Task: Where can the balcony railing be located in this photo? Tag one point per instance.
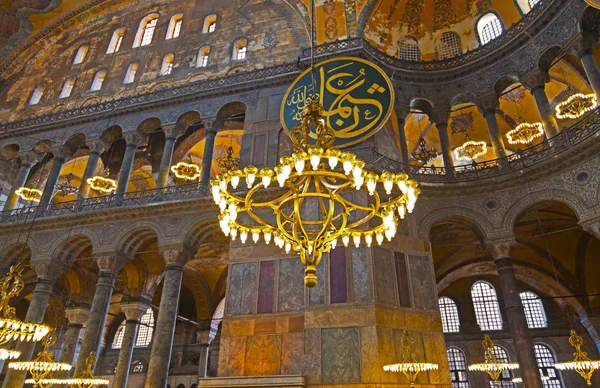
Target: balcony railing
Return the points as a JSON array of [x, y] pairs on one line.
[[544, 151]]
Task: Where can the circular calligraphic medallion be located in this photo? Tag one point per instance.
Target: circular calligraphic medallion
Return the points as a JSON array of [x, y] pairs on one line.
[[358, 98]]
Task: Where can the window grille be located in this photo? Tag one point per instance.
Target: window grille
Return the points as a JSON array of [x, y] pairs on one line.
[[67, 88], [146, 329], [409, 50], [241, 53], [130, 75], [115, 41], [449, 46], [177, 29], [138, 367], [545, 361], [534, 310], [149, 28], [80, 55], [489, 28], [212, 26], [203, 56], [487, 309], [458, 368], [449, 313], [505, 379], [167, 65], [98, 81], [118, 340], [533, 3]]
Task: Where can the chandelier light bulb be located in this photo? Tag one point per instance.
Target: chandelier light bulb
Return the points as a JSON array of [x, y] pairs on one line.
[[233, 233], [232, 211], [347, 163], [333, 243], [410, 206], [235, 181], [216, 193], [222, 204], [286, 164], [346, 239], [402, 186], [267, 236], [288, 247], [356, 239], [379, 238], [333, 162], [388, 183], [358, 182], [266, 181], [255, 236], [267, 175], [243, 236], [299, 165], [369, 239], [250, 178]]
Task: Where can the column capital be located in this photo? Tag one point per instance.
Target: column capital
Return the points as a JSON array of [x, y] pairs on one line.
[[440, 115], [29, 157], [584, 44], [49, 269], [62, 152], [211, 125], [77, 315], [134, 138], [176, 255], [97, 145], [172, 131], [488, 103], [500, 248], [111, 262], [591, 226], [535, 79], [134, 310]]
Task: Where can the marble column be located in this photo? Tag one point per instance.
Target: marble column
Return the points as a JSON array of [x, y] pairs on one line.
[[96, 147], [488, 106], [500, 250], [59, 159], [441, 117], [536, 83], [133, 140], [404, 154], [92, 336], [204, 340], [48, 271], [211, 132], [585, 54], [133, 312], [172, 132], [28, 160], [77, 317], [162, 346]]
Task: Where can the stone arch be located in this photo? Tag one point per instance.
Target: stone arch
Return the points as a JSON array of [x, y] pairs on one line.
[[75, 141], [72, 248], [230, 109], [422, 104], [478, 221], [137, 238], [303, 13], [201, 292], [216, 319], [204, 232], [149, 124], [188, 118], [9, 151], [13, 253], [504, 82], [516, 210], [462, 98], [549, 56], [589, 20], [112, 133]]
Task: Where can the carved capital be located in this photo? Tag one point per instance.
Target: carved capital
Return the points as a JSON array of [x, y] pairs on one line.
[[134, 310], [49, 268], [488, 104], [176, 255], [63, 152], [440, 115], [30, 158], [500, 248], [97, 145], [77, 315], [211, 125], [111, 263], [173, 131], [134, 138], [535, 79]]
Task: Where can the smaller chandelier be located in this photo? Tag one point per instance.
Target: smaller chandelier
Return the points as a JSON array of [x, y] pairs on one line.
[[470, 150], [576, 106], [424, 154], [228, 162], [186, 170], [10, 327], [43, 366], [67, 188], [7, 354], [28, 194], [492, 366], [102, 183], [581, 364], [409, 365], [525, 133], [87, 379]]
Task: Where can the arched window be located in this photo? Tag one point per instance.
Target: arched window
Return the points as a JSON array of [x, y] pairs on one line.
[[67, 88], [80, 55], [174, 27], [505, 379], [137, 367], [115, 41], [37, 94], [533, 3], [526, 5], [485, 303], [534, 310], [167, 64], [409, 49], [131, 71], [240, 49], [145, 331], [458, 368], [210, 24], [145, 32], [203, 56], [489, 27], [449, 313], [449, 46], [545, 361], [98, 81]]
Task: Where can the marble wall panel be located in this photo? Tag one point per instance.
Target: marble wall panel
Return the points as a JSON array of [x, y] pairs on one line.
[[241, 289], [263, 355], [388, 353], [362, 291], [369, 356], [338, 278], [292, 351], [312, 356], [383, 272], [232, 356], [340, 356], [316, 295], [435, 351], [424, 293], [291, 285], [266, 287]]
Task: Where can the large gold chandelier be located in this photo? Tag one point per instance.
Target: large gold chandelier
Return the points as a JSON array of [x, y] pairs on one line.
[[409, 365], [581, 364], [470, 150], [29, 194], [12, 328], [492, 366], [576, 106], [43, 366], [103, 183], [322, 203], [187, 170], [525, 133]]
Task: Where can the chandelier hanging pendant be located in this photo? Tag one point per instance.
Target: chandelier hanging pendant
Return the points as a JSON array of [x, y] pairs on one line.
[[470, 150], [322, 204], [581, 364], [409, 365], [12, 328], [576, 106], [67, 188], [103, 183], [29, 194], [43, 366], [525, 133], [228, 162], [424, 154], [186, 170], [492, 366]]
